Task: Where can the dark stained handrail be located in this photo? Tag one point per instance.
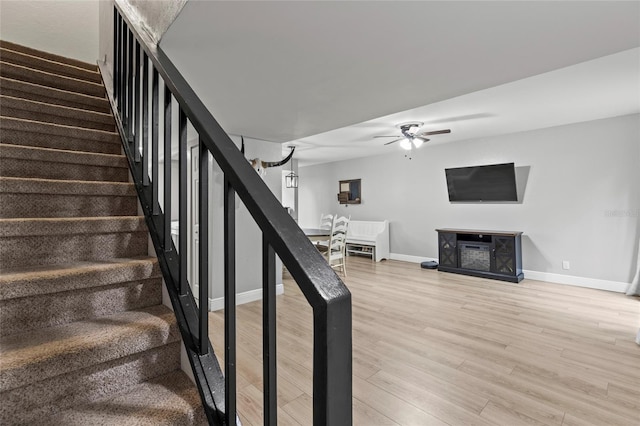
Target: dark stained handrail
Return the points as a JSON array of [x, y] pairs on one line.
[[325, 292]]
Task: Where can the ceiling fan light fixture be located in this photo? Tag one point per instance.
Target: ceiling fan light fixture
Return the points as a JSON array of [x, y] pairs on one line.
[[411, 127], [405, 144], [411, 136]]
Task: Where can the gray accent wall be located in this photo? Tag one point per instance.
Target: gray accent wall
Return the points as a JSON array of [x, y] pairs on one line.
[[155, 16], [579, 195], [248, 235]]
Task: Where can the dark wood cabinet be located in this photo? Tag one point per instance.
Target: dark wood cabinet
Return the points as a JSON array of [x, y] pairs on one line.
[[488, 254]]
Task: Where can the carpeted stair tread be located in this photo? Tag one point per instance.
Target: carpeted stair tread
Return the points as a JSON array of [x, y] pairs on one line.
[[48, 163], [48, 65], [48, 198], [48, 352], [46, 55], [50, 95], [50, 241], [44, 78], [17, 131], [49, 310], [32, 281], [46, 298], [28, 405], [25, 227], [167, 400], [71, 187], [56, 114]]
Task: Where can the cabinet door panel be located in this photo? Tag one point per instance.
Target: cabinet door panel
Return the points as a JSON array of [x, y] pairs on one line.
[[504, 255], [448, 250]]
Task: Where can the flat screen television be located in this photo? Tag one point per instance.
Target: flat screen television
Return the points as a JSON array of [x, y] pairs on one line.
[[495, 182]]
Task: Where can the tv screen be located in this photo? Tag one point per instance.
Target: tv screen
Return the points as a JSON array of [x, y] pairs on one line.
[[496, 182]]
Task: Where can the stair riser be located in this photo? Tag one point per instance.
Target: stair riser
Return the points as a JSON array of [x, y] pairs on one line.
[[25, 110], [15, 167], [28, 313], [41, 140], [34, 92], [52, 80], [77, 277], [28, 404], [49, 66], [99, 340], [56, 205], [167, 400], [19, 252], [17, 131]]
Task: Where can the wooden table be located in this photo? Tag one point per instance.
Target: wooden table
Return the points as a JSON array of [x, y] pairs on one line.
[[317, 234]]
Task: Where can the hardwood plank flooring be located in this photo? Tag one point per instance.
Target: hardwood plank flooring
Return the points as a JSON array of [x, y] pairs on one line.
[[432, 348]]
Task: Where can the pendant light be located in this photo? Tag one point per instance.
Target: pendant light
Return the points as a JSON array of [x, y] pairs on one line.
[[291, 179]]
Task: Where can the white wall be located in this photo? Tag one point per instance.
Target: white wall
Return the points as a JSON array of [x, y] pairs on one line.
[[105, 39], [581, 202], [68, 28]]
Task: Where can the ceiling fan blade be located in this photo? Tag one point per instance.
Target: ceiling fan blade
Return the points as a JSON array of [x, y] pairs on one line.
[[389, 143], [435, 132], [422, 138], [395, 136]]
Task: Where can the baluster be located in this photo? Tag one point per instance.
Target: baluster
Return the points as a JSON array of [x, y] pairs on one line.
[[116, 56], [203, 232], [167, 169], [122, 78], [145, 118], [137, 132], [182, 203], [269, 359], [155, 208], [130, 66], [229, 302]]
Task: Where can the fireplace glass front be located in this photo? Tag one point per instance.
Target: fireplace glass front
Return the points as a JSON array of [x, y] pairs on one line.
[[476, 256]]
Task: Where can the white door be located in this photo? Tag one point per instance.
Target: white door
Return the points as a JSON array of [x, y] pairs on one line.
[[195, 238]]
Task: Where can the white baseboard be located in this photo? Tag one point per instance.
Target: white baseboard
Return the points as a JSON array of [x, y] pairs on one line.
[[241, 298], [598, 284], [410, 258]]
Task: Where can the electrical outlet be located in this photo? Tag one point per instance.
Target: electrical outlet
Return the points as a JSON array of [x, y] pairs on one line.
[[566, 264]]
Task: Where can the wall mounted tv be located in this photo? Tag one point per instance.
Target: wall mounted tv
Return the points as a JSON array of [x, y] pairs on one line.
[[495, 182]]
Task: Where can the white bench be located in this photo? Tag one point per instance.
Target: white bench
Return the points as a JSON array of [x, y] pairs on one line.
[[370, 238]]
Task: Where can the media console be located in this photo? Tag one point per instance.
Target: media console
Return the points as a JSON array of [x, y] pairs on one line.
[[487, 254]]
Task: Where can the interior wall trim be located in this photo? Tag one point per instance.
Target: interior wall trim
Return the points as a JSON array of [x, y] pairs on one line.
[[217, 304], [410, 258], [598, 284], [617, 286]]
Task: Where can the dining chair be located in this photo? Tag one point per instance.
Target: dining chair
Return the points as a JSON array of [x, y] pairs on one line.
[[337, 252], [326, 222]]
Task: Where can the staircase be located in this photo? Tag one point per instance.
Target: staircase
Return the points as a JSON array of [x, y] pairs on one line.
[[84, 336]]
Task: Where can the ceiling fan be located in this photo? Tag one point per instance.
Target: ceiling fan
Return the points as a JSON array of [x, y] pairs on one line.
[[411, 137]]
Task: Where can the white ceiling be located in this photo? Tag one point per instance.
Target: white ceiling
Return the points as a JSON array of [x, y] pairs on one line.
[[331, 75]]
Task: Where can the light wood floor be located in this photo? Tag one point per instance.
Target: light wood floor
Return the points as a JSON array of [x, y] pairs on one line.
[[432, 348]]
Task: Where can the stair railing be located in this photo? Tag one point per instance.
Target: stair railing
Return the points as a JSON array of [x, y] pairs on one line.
[[140, 66]]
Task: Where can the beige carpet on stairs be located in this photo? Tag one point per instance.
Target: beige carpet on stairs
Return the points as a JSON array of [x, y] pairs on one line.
[[84, 336]]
